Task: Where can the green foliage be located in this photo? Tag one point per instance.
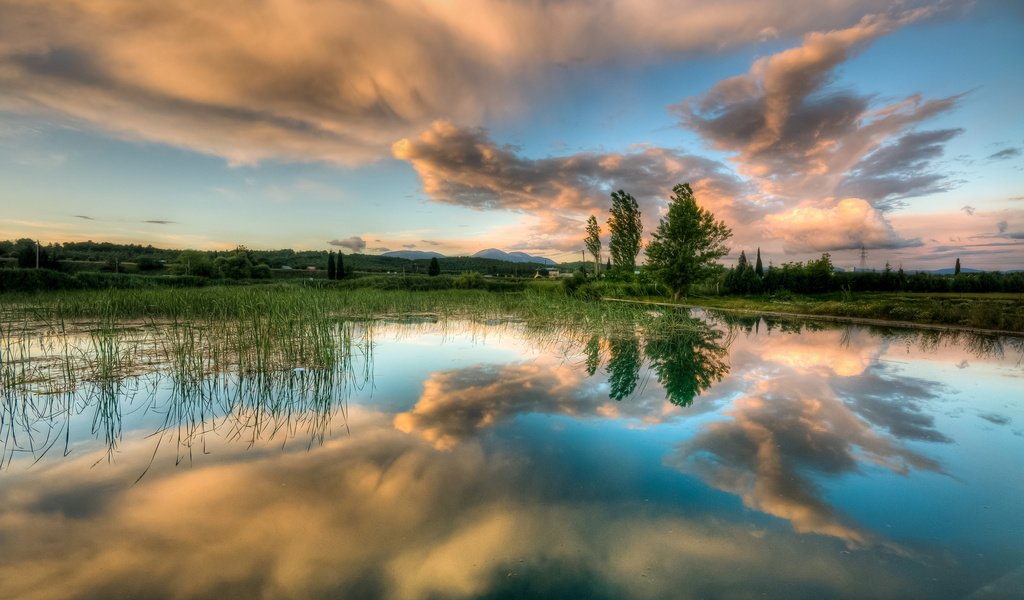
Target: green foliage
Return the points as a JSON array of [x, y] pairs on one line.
[[956, 268], [194, 263], [579, 286], [332, 269], [688, 362], [623, 366], [593, 241], [759, 268], [435, 268], [687, 243], [626, 230], [30, 255]]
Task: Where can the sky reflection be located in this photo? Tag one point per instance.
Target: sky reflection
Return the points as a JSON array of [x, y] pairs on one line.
[[542, 469]]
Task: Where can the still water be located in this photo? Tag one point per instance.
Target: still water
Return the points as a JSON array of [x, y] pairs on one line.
[[734, 459]]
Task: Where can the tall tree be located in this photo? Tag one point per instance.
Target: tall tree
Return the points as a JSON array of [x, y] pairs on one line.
[[687, 243], [332, 272], [758, 267], [956, 269], [626, 229], [435, 268], [593, 242], [742, 264], [339, 269]]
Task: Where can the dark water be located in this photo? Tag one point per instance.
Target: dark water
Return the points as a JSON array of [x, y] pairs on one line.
[[493, 461]]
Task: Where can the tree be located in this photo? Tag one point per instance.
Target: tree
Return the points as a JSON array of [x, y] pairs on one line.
[[339, 267], [687, 243], [332, 272], [435, 268], [758, 267], [593, 242], [956, 269], [626, 228], [195, 263]]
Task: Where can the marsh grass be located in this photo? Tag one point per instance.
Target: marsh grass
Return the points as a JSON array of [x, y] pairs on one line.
[[251, 363]]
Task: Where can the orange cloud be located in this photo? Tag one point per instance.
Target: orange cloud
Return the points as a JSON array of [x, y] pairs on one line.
[[850, 223], [337, 81], [466, 167]]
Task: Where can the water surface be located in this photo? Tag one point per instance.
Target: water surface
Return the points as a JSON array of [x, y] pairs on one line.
[[460, 460]]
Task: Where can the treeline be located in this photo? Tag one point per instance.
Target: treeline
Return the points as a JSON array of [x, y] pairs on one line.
[[239, 263], [819, 276]]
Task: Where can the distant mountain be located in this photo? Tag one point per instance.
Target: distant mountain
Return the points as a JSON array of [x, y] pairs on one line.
[[413, 254], [519, 257]]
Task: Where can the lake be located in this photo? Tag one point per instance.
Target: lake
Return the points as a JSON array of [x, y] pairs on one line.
[[729, 458]]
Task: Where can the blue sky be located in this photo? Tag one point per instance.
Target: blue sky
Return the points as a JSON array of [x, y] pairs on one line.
[[434, 126]]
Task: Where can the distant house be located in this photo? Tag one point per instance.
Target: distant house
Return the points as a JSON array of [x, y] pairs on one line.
[[286, 268], [311, 268]]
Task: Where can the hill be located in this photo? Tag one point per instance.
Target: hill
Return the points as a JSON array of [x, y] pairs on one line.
[[516, 257]]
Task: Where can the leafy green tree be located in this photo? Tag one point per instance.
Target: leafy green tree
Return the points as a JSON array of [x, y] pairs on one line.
[[332, 272], [30, 255], [435, 268], [235, 266], [758, 267], [687, 243], [261, 271], [593, 242], [195, 263], [626, 228]]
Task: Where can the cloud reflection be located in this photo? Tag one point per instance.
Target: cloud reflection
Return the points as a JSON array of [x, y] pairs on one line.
[[400, 520]]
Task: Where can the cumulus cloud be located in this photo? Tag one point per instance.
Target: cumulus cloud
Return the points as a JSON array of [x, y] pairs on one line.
[[339, 81], [354, 243], [464, 166], [800, 139], [852, 223]]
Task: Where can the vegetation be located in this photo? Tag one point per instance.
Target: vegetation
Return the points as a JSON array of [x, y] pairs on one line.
[[593, 242], [626, 230], [687, 243]]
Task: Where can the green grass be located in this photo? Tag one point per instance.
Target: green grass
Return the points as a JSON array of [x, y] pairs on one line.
[[1004, 312]]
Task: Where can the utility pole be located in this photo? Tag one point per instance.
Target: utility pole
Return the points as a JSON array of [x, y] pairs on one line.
[[37, 254]]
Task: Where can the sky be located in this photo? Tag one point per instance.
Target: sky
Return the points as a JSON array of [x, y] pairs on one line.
[[454, 126]]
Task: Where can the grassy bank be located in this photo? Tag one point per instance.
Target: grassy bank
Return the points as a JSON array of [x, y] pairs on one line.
[[1004, 312]]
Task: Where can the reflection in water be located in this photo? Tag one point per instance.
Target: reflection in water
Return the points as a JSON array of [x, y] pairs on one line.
[[688, 363], [192, 385], [623, 366], [506, 462]]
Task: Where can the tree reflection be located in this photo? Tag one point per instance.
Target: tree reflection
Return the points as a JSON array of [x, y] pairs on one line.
[[623, 366], [688, 361]]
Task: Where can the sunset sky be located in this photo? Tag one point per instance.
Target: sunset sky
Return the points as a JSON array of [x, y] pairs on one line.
[[456, 125]]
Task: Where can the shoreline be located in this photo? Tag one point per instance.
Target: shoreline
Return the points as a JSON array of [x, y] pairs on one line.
[[830, 318]]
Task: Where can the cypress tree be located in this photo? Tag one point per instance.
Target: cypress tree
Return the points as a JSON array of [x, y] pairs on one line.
[[956, 269], [330, 265], [742, 264], [435, 268], [339, 269], [758, 268]]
